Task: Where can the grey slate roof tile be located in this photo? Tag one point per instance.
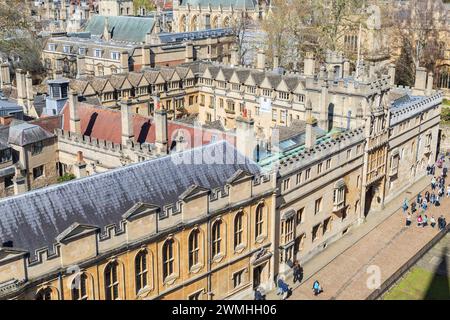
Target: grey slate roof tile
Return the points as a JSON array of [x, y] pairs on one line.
[[33, 220]]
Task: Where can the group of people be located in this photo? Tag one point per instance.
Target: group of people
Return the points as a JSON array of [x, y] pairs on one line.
[[283, 287], [433, 198]]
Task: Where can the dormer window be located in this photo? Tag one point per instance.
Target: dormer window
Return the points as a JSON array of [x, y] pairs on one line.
[[236, 87], [267, 92], [251, 89], [52, 47], [300, 98], [98, 53], [115, 55], [66, 49], [283, 95], [5, 155], [82, 51]]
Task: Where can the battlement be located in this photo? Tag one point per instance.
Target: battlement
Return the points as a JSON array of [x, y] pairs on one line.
[[103, 145], [321, 150], [412, 108]]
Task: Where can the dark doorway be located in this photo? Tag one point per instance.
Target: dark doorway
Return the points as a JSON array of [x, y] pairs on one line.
[[370, 194], [257, 276]]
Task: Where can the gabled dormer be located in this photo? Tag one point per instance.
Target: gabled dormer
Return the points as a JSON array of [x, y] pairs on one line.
[[240, 185], [194, 202], [12, 264], [78, 243], [142, 220]]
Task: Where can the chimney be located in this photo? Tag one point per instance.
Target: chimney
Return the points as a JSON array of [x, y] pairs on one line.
[[161, 141], [189, 52], [19, 181], [21, 88], [74, 121], [429, 84], [81, 66], [421, 78], [391, 72], [245, 137], [5, 76], [310, 137], [324, 107], [276, 61], [261, 60], [127, 121], [124, 61], [234, 59], [79, 168], [309, 64], [30, 95], [146, 56]]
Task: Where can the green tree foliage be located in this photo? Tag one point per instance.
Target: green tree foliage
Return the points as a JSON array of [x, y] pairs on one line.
[[149, 5], [405, 67], [66, 177], [18, 39]]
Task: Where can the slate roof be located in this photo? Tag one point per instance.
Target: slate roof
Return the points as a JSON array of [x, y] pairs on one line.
[[123, 28], [33, 220], [25, 133]]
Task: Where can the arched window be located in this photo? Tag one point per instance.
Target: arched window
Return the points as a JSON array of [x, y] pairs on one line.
[[215, 23], [194, 24], [238, 229], [79, 287], [226, 22], [141, 271], [259, 220], [216, 238], [193, 248], [168, 258], [111, 281], [44, 294]]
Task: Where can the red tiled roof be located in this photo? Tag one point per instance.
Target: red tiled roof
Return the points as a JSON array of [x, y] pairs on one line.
[[105, 124], [49, 123]]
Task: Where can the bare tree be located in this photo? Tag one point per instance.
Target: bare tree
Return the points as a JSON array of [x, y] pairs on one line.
[[295, 27], [241, 26], [18, 40], [419, 28]]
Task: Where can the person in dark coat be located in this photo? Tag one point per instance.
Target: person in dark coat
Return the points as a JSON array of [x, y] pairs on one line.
[[259, 295], [297, 270]]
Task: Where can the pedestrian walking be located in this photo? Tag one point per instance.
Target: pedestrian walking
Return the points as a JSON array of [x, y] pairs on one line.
[[419, 220], [425, 221], [317, 289], [283, 288], [433, 183], [297, 270], [424, 205], [259, 295], [408, 219], [441, 222], [405, 205], [432, 222]]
